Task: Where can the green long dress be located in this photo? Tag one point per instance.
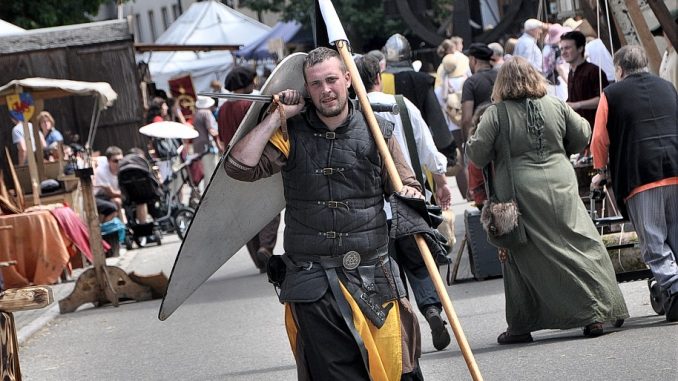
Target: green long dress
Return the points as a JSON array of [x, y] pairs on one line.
[[563, 277]]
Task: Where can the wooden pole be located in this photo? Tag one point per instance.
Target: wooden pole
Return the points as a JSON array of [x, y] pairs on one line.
[[103, 282], [664, 17], [397, 183], [643, 32]]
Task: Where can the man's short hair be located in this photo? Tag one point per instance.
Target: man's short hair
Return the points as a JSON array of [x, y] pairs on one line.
[[113, 151], [576, 36], [368, 67], [631, 59], [497, 49], [319, 55]]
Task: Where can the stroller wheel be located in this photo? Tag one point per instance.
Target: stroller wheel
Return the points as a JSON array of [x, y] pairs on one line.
[[657, 297], [182, 220], [157, 236]]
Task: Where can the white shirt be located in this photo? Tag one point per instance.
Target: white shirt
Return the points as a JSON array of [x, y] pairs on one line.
[[527, 48], [597, 54], [18, 133], [429, 157], [103, 175]]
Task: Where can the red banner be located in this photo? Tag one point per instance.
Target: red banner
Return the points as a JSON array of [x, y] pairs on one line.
[[182, 90]]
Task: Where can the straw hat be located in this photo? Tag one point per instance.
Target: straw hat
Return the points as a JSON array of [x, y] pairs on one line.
[[204, 102], [455, 64], [572, 23]]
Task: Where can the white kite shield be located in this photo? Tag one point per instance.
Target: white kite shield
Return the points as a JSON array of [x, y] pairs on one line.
[[168, 130], [230, 212]]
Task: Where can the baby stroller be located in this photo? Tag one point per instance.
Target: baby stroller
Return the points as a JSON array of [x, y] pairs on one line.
[[139, 185]]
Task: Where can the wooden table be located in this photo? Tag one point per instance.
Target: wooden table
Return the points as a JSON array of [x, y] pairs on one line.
[[35, 241]]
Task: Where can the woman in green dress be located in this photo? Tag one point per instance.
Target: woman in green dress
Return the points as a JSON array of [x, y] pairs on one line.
[[562, 277]]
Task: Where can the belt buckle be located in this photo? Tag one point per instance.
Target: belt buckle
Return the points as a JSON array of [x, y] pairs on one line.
[[351, 260]]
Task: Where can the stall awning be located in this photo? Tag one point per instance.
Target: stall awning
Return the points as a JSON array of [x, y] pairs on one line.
[[47, 88]]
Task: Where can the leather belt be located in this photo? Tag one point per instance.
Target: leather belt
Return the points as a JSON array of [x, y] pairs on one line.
[[349, 260]]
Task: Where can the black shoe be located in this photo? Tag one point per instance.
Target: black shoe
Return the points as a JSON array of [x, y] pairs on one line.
[[507, 338], [594, 330], [671, 307], [439, 334]]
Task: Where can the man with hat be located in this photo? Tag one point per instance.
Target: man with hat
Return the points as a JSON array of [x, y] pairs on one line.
[[240, 80], [527, 43], [476, 91]]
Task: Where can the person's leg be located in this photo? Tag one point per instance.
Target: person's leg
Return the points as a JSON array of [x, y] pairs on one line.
[[428, 301], [141, 212], [329, 349], [651, 214], [462, 181]]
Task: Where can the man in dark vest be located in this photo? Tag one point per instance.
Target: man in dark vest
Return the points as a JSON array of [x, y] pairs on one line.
[[346, 312], [401, 78], [636, 128]]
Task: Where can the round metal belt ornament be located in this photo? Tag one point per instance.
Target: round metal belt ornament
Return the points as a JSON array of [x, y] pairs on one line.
[[351, 260]]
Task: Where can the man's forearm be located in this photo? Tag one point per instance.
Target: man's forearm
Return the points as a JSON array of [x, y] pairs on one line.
[[589, 104], [248, 150]]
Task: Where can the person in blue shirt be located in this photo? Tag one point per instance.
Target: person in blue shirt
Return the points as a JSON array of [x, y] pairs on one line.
[[51, 134]]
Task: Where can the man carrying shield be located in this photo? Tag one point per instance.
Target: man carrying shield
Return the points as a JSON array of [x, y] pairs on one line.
[[345, 308]]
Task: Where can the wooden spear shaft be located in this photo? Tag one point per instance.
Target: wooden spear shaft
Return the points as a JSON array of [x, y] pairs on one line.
[[397, 183]]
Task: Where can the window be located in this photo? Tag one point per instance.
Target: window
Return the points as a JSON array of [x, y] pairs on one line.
[[175, 11], [165, 18], [137, 28], [151, 25]]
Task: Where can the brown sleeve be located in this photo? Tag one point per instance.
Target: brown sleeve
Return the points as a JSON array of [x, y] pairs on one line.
[[404, 170], [271, 161]]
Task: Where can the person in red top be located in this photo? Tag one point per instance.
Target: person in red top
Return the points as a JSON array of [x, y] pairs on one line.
[[240, 80], [635, 134]]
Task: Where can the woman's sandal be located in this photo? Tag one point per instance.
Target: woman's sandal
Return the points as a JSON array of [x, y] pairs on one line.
[[594, 330], [507, 338]]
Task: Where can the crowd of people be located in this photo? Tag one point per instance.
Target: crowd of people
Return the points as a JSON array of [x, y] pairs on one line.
[[523, 112]]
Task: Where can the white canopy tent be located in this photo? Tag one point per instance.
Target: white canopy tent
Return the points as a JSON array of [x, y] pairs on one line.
[[8, 29], [204, 23]]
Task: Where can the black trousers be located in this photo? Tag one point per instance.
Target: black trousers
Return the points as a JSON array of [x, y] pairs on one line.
[[326, 349]]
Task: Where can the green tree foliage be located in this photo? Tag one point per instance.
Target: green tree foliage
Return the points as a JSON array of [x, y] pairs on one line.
[[363, 20], [31, 14]]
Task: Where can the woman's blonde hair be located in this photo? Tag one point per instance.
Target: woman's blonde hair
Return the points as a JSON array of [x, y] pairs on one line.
[[45, 115], [518, 79]]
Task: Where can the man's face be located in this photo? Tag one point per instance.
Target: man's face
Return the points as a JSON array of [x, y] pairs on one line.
[[536, 32], [114, 164], [327, 84], [472, 64], [569, 51]]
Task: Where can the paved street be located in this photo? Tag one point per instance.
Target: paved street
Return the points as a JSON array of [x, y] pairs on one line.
[[232, 329]]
